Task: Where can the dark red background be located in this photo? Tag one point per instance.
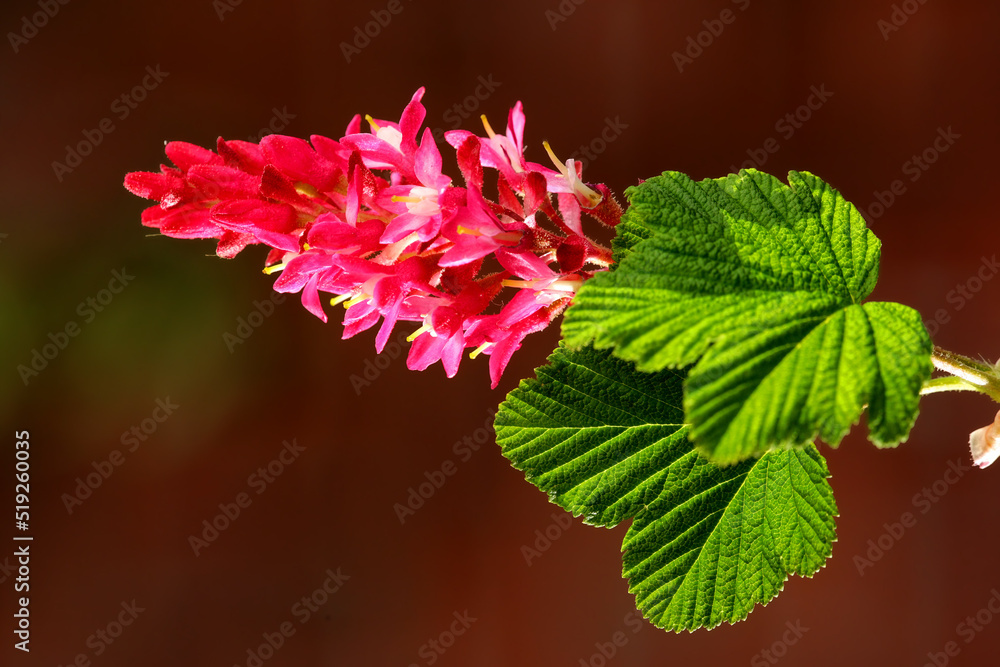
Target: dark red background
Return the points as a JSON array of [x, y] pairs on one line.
[[163, 335]]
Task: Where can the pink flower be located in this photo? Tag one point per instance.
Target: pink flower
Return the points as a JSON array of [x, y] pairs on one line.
[[505, 152], [418, 207], [475, 232], [393, 145], [370, 220], [499, 336]]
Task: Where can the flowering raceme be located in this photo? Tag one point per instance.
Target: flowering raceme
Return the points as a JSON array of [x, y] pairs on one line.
[[372, 220]]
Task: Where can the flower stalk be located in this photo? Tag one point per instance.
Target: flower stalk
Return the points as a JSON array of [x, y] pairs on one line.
[[966, 374]]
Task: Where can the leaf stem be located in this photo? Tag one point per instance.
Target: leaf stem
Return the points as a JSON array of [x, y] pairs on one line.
[[949, 383], [967, 375]]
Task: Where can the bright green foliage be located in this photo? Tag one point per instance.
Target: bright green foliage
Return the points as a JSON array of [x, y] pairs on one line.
[[707, 542], [760, 285]]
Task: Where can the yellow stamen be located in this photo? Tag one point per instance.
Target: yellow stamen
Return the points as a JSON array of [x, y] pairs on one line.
[[552, 156], [306, 189], [593, 197], [517, 283], [356, 300], [486, 124], [305, 246], [371, 121], [466, 230], [411, 200], [340, 299], [413, 336], [479, 350], [268, 270]]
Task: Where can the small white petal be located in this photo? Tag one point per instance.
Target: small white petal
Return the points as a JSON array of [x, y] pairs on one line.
[[984, 443], [391, 136]]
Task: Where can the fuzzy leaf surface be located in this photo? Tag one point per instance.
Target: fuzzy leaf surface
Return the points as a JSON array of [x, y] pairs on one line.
[[707, 543], [760, 285]]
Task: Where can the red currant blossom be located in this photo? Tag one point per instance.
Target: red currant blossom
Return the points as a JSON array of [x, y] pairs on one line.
[[371, 221]]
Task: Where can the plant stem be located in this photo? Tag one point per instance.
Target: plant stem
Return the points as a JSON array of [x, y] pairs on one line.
[[967, 375], [949, 383]]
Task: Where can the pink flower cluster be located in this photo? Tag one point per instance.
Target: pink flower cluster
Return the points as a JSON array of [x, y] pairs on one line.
[[371, 219]]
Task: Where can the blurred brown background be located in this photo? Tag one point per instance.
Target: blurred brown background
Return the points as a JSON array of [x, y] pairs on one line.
[[231, 69]]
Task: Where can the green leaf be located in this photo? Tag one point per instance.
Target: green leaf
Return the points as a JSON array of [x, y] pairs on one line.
[[707, 542], [760, 285]]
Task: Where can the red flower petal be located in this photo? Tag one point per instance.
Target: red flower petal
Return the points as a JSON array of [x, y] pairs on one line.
[[297, 160], [410, 122], [215, 182], [186, 155], [468, 162], [247, 215], [310, 298], [152, 185], [275, 185], [188, 222], [231, 243], [241, 155]]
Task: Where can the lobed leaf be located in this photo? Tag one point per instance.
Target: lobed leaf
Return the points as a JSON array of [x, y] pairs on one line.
[[707, 543], [758, 284]]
